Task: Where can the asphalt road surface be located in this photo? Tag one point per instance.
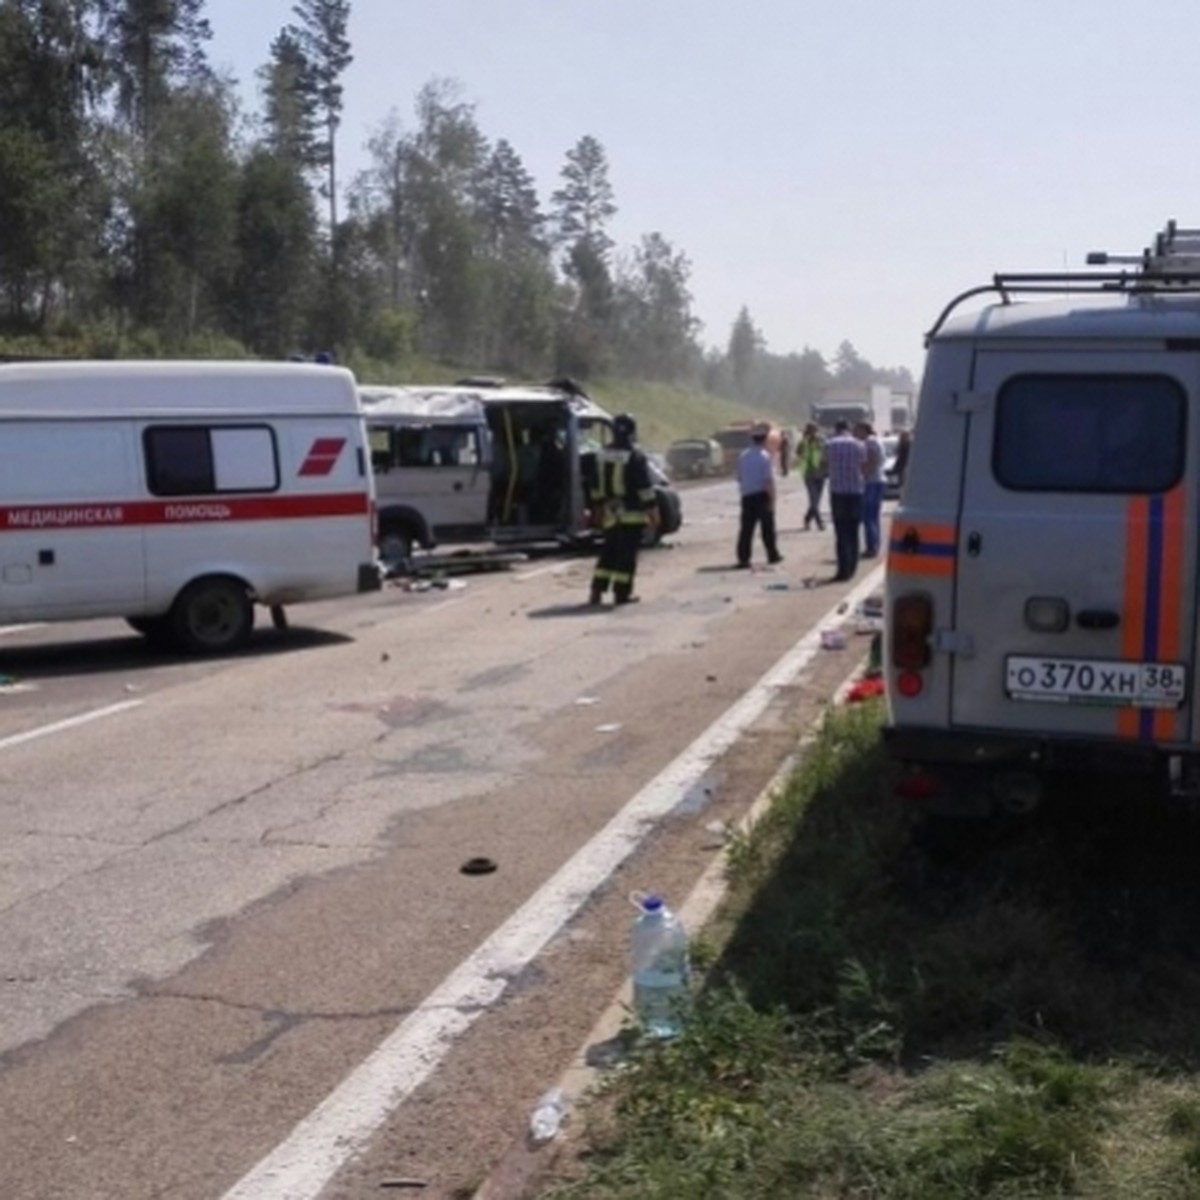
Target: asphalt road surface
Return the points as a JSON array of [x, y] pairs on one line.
[[239, 957]]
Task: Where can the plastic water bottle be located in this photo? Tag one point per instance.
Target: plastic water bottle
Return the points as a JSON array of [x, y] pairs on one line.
[[548, 1115], [661, 991]]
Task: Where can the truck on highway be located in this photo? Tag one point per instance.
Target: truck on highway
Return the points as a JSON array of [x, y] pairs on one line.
[[177, 495]]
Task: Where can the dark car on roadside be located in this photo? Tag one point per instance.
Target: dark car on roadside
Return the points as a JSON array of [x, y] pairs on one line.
[[670, 506]]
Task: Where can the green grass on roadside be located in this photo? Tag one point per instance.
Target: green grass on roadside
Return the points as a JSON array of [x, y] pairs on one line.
[[905, 1009], [665, 412]]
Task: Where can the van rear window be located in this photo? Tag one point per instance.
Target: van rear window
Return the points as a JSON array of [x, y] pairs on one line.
[[1090, 433]]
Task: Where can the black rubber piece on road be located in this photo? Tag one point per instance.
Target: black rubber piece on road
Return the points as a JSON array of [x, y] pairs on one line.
[[477, 866]]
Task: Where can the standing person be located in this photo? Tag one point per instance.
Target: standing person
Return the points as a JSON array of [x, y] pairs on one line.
[[903, 450], [756, 482], [622, 489], [810, 459], [847, 458], [785, 453], [872, 503]]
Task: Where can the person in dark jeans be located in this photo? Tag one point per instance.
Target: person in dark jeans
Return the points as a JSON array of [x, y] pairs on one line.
[[756, 482], [847, 458]]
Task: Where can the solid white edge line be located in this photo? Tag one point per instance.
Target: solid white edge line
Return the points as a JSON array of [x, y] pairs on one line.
[[335, 1131], [68, 723]]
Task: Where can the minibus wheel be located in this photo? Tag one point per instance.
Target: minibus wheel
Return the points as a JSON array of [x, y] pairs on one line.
[[212, 615], [396, 545]]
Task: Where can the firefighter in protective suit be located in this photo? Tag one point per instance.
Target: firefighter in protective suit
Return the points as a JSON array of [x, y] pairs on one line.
[[622, 492]]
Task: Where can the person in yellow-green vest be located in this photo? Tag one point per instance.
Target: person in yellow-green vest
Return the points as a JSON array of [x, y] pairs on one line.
[[811, 462], [622, 493]]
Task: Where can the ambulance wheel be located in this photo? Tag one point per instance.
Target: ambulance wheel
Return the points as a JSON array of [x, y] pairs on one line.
[[212, 616]]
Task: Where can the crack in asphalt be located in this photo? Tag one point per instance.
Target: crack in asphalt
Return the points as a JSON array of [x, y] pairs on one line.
[[129, 848]]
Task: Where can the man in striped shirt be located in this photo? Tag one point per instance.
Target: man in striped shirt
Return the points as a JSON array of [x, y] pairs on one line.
[[847, 459]]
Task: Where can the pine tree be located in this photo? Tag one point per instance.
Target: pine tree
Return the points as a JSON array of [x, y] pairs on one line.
[[320, 47], [745, 345], [584, 204]]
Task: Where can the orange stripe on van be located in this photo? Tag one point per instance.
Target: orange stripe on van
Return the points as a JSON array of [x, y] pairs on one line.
[[917, 564], [1137, 522], [926, 531], [1171, 602]]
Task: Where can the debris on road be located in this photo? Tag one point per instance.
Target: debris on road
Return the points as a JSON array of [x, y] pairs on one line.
[[477, 866], [719, 834], [547, 1118], [865, 689]]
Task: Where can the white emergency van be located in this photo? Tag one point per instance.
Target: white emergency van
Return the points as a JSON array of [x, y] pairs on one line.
[[1041, 594], [178, 494]]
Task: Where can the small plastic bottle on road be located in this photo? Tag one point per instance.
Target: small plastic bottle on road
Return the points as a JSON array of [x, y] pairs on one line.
[[661, 972], [548, 1115]]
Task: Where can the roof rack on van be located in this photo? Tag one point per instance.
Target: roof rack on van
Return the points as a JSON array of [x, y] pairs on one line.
[[1172, 264]]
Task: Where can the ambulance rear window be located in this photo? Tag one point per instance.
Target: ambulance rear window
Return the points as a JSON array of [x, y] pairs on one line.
[[204, 460], [1090, 433]]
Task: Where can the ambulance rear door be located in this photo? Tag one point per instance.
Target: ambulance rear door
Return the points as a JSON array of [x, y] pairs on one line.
[[1075, 595]]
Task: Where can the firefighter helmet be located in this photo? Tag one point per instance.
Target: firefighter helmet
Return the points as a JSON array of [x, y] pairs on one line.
[[624, 427]]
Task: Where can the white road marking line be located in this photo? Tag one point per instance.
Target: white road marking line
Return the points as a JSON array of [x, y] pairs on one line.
[[433, 608], [7, 629], [70, 723], [553, 569], [339, 1127]]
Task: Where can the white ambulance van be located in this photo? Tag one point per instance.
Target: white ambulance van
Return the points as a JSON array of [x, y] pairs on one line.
[[177, 495], [1041, 595]]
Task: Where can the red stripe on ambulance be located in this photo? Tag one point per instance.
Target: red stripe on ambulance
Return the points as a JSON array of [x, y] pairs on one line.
[[322, 455], [24, 518]]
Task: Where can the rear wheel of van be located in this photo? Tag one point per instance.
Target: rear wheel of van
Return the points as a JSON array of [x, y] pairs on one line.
[[212, 616]]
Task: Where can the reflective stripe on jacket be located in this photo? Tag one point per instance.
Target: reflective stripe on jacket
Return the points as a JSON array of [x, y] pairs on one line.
[[623, 489]]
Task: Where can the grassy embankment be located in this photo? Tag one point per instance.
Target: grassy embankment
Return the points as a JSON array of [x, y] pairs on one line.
[[901, 1009], [664, 412]]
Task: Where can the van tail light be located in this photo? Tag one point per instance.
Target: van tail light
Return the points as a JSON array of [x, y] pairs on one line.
[[912, 627], [917, 785], [374, 523]]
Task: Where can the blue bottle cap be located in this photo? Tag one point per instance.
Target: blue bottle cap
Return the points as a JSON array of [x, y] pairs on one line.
[[652, 904]]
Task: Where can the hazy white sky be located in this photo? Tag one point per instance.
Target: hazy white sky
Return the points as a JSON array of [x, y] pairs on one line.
[[840, 167]]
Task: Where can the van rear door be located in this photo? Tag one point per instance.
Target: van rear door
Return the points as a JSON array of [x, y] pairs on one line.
[[1075, 601]]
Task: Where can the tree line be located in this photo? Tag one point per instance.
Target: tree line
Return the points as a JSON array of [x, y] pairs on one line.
[[142, 211]]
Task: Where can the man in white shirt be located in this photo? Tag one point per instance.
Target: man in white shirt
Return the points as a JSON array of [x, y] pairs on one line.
[[756, 482], [872, 502]]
